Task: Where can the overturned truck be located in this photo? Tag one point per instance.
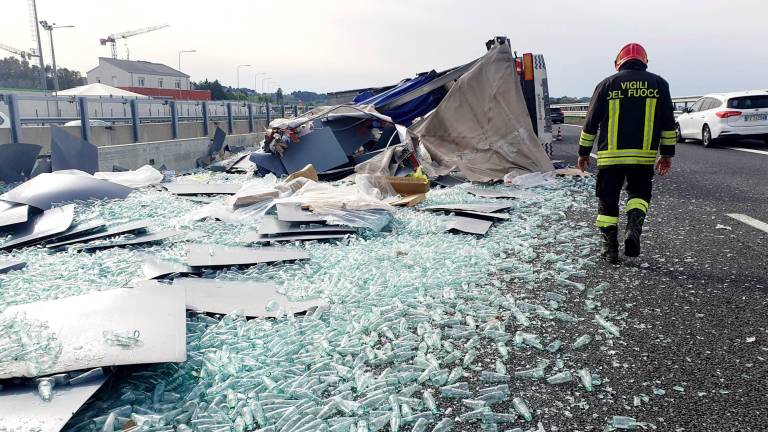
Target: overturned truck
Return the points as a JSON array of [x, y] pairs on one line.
[[481, 121]]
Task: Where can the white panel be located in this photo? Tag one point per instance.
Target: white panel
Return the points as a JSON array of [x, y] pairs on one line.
[[79, 322], [22, 409]]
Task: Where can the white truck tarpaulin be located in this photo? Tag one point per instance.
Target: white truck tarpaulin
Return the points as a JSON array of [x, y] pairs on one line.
[[482, 126]]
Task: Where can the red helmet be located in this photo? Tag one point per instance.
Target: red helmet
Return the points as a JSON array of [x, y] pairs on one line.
[[631, 51]]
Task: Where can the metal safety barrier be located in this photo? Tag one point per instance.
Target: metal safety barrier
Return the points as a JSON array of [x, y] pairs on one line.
[[135, 111], [580, 109]]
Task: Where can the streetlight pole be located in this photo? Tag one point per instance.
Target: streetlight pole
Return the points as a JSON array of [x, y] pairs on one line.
[[43, 83], [238, 73], [49, 28], [189, 86], [184, 51], [256, 81], [267, 79]]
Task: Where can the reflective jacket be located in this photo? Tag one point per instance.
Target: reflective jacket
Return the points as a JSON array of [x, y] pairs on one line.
[[633, 112]]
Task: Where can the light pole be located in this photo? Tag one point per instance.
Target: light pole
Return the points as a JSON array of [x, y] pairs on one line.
[[49, 28], [262, 82], [184, 51], [238, 73], [189, 84], [269, 86], [256, 81]]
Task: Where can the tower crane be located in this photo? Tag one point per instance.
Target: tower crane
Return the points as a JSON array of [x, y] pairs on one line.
[[113, 38], [23, 54]]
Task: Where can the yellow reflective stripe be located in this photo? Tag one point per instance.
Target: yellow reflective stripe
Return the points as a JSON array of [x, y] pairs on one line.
[[626, 152], [637, 203], [650, 115], [586, 140], [613, 123], [668, 141], [668, 134], [626, 161], [606, 221]]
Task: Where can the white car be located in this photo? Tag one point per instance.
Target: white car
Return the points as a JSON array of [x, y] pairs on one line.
[[721, 116]]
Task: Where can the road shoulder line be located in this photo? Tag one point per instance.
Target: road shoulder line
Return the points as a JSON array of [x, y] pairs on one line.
[[762, 152], [754, 223]]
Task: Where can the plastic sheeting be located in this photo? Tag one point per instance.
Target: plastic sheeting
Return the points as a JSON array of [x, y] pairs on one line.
[[404, 114], [141, 177], [482, 126]]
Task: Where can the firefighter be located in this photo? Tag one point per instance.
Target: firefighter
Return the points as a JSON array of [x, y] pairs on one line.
[[632, 111]]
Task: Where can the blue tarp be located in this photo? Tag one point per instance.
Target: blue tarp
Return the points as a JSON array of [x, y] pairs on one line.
[[405, 113]]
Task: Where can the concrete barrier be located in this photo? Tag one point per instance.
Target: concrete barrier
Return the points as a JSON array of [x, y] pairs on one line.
[[122, 134], [178, 155]]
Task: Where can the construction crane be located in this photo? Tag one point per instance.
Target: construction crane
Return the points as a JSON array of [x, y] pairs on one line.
[[113, 38], [23, 54]]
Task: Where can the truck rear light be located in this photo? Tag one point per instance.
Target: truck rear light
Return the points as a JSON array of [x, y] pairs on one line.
[[726, 114]]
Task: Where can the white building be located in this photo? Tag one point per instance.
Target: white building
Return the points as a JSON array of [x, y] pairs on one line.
[[132, 74]]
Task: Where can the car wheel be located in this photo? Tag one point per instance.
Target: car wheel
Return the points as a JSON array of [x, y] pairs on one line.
[[678, 134], [706, 137]]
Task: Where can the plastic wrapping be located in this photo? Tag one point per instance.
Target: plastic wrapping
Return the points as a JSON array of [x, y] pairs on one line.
[[324, 196], [375, 186], [249, 215], [141, 177], [528, 180]]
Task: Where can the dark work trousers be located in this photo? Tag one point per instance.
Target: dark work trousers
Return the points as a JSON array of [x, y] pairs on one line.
[[610, 180]]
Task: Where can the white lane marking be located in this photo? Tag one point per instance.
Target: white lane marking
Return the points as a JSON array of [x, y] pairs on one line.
[[573, 125], [763, 152], [754, 223]]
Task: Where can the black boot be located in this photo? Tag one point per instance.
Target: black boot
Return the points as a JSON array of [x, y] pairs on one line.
[[610, 245], [635, 219]]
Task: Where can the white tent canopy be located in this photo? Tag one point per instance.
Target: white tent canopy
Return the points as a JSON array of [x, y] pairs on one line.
[[98, 89]]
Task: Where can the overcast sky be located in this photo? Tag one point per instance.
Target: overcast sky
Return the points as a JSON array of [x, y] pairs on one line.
[[699, 46]]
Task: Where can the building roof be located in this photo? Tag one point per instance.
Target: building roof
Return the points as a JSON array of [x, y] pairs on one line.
[[143, 67]]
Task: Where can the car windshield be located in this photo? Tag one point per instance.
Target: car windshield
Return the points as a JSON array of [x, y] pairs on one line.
[[747, 102], [556, 110]]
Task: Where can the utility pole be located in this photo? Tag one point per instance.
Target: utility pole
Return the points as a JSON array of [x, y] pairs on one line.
[[36, 35], [49, 28]]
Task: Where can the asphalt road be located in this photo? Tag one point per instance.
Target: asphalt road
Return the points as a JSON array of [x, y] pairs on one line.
[[696, 299]]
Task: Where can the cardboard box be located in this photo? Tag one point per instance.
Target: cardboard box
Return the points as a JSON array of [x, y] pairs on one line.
[[408, 185]]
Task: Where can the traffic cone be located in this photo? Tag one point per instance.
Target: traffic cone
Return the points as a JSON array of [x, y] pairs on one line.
[[559, 136]]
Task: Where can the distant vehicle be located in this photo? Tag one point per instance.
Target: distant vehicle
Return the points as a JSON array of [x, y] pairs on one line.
[[5, 122], [101, 123], [720, 116], [557, 115]]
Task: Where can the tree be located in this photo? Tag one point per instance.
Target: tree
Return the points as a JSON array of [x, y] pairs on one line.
[[215, 87], [67, 78], [309, 97], [15, 73]]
